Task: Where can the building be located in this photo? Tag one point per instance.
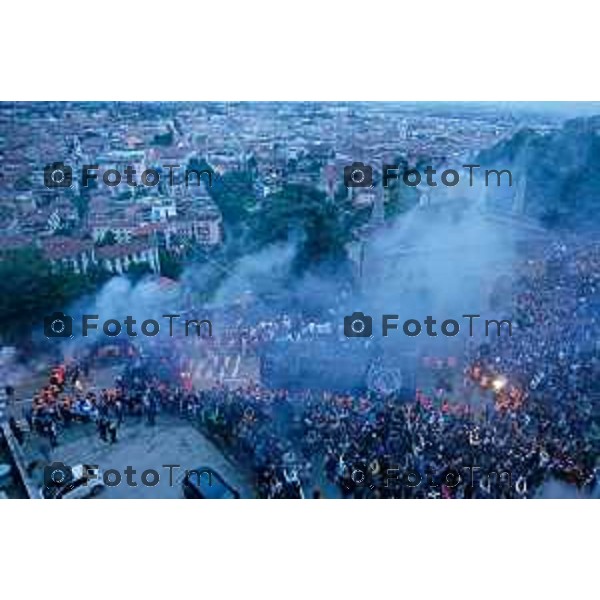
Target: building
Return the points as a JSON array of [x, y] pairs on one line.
[[69, 253], [163, 210], [119, 258], [199, 227], [121, 228], [79, 255]]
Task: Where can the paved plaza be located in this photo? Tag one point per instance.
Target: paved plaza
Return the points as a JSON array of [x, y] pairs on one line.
[[172, 441]]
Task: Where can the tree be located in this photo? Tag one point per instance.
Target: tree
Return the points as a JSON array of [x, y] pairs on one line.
[[234, 195], [164, 139], [108, 239], [137, 271], [30, 289], [170, 266], [81, 204], [325, 227], [399, 197]]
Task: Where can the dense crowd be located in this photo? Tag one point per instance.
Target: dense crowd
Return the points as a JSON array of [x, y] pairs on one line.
[[545, 423]]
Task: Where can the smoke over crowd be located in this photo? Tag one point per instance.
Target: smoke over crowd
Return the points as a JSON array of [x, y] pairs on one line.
[[282, 383], [447, 259]]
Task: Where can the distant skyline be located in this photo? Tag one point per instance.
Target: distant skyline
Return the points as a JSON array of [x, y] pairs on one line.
[[560, 108], [551, 108]]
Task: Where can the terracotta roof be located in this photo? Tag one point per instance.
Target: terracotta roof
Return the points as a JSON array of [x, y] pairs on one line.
[[56, 248], [108, 222], [146, 228], [15, 242], [121, 250]]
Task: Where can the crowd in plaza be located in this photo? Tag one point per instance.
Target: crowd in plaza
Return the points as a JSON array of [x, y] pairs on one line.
[[545, 423], [62, 402]]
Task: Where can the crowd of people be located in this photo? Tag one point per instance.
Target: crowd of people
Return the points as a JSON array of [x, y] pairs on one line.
[[63, 403], [544, 424], [545, 380]]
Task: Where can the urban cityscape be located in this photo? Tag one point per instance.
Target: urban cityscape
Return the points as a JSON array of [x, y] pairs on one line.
[[192, 300]]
